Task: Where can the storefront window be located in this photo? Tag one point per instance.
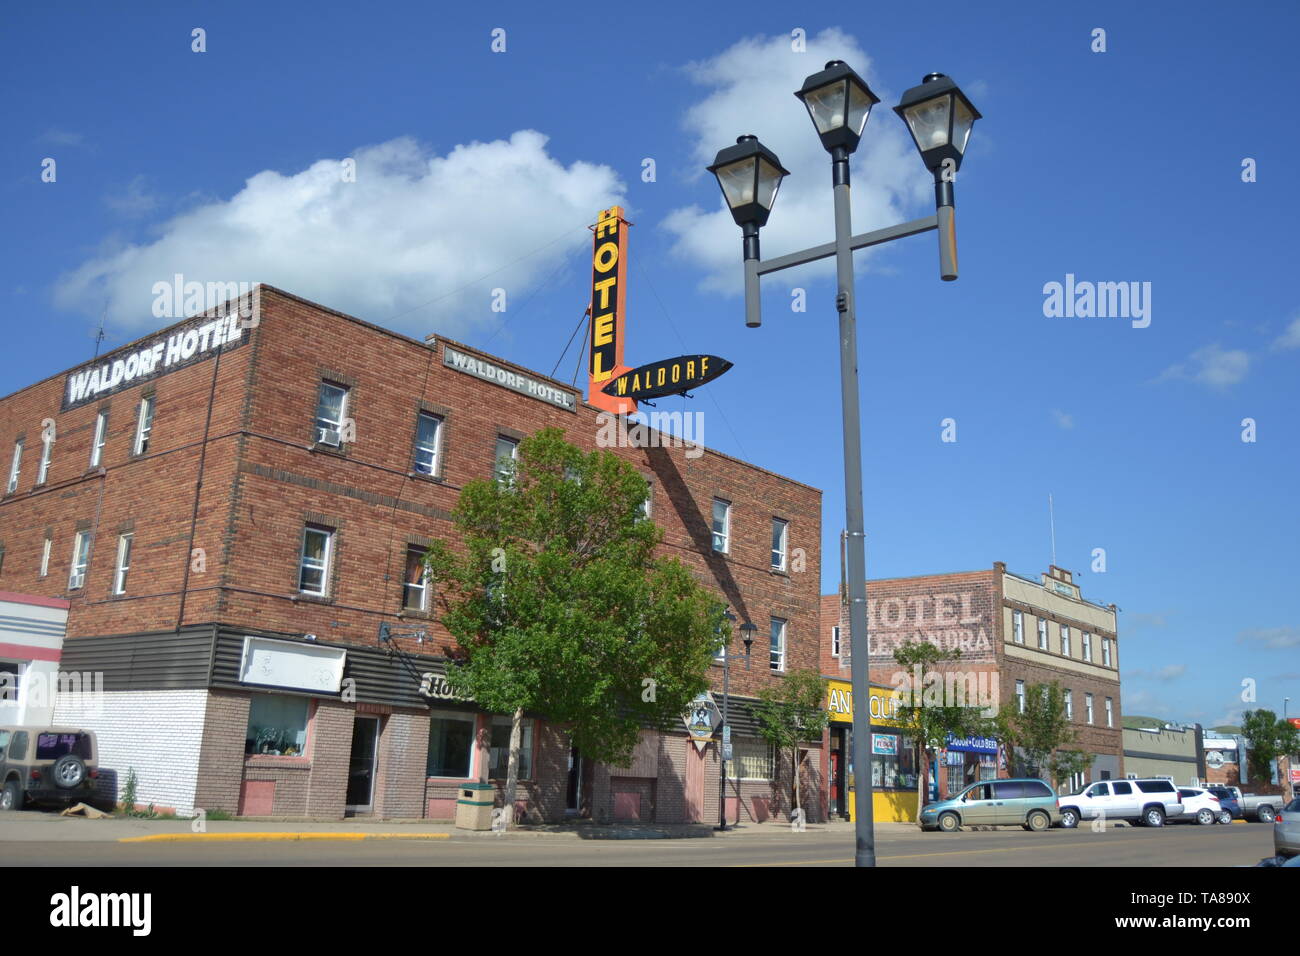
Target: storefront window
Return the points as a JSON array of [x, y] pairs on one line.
[[753, 759], [451, 746], [277, 725], [499, 762], [893, 761]]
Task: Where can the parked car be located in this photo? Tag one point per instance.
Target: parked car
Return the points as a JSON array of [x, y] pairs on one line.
[[1146, 801], [1262, 808], [1231, 809], [1199, 805], [55, 765], [1286, 830], [1026, 802]]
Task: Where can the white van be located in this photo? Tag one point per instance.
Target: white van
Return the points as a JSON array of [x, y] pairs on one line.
[[1148, 801]]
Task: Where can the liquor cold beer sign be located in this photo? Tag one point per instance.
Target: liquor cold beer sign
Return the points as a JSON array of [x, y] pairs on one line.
[[164, 352]]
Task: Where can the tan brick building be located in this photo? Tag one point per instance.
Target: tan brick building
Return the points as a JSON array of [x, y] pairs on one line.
[[231, 507], [1012, 632]]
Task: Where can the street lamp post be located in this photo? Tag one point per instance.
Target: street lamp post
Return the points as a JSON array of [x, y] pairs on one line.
[[939, 117], [748, 630]]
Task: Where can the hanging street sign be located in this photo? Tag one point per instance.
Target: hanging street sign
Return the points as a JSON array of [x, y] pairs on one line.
[[671, 376], [702, 719]]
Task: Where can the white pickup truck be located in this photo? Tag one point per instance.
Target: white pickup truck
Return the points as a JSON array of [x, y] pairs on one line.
[[1262, 808]]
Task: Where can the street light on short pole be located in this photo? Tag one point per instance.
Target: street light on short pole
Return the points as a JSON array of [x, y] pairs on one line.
[[939, 117], [748, 630]]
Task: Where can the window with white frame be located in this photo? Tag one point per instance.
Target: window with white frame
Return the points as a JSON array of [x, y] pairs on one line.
[[47, 448], [1018, 626], [46, 547], [1105, 651], [451, 746], [1069, 705], [506, 457], [835, 640], [1110, 712], [643, 512], [428, 434], [1042, 633], [415, 585], [752, 759], [123, 562], [721, 526], [331, 409], [313, 568], [1087, 646], [15, 467], [1020, 696], [80, 558], [780, 538], [777, 657], [499, 755], [101, 435], [1087, 707], [1065, 640], [143, 426]]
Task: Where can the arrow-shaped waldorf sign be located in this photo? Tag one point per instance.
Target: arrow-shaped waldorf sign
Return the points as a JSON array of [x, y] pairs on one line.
[[669, 377]]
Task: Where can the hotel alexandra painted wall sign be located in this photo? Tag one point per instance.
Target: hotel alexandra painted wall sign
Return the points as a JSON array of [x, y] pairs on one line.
[[669, 377]]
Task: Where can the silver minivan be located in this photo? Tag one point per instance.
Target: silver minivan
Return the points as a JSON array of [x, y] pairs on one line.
[[1026, 802]]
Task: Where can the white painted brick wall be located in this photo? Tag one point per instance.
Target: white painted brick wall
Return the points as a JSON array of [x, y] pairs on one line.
[[156, 732]]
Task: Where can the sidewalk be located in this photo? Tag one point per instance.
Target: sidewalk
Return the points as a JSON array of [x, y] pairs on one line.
[[36, 827]]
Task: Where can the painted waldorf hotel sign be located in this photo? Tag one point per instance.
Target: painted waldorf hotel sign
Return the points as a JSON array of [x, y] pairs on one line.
[[515, 381], [196, 340]]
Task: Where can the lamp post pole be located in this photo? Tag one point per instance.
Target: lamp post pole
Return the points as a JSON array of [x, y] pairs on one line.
[[748, 629]]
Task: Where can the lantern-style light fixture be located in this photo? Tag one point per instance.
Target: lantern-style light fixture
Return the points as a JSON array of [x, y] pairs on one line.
[[839, 102], [939, 116], [750, 175], [748, 629]]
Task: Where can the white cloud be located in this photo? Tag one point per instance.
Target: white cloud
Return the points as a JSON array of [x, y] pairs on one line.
[[1289, 339], [750, 90], [1212, 365], [1062, 419], [1272, 638], [132, 201], [412, 228]]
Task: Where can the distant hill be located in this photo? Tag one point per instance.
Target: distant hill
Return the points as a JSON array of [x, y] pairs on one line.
[[1136, 721], [1227, 729]]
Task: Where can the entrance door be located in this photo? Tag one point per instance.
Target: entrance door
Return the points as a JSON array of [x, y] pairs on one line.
[[839, 796], [361, 765]]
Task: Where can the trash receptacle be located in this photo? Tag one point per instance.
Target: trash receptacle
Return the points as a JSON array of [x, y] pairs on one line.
[[474, 806]]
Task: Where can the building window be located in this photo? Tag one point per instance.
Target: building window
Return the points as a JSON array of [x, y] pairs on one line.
[[780, 535], [1087, 707], [428, 432], [1105, 651], [752, 759], [15, 466], [1065, 640], [45, 555], [1087, 646], [643, 513], [835, 641], [123, 563], [277, 724], [143, 426], [721, 526], [80, 558], [1069, 705], [499, 756], [506, 457], [777, 658], [451, 746], [1042, 634], [415, 586], [97, 443], [1110, 712], [43, 470], [1018, 626], [11, 675], [313, 569], [331, 409], [1020, 696]]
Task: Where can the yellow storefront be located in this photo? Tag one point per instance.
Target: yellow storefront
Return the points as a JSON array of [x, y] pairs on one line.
[[893, 761]]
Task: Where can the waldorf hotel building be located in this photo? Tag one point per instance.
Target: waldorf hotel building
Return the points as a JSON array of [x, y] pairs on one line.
[[233, 506]]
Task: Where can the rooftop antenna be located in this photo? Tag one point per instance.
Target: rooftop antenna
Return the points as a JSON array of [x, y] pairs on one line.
[[99, 334], [1051, 516]]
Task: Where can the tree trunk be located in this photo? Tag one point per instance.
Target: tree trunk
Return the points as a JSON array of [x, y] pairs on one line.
[[512, 773]]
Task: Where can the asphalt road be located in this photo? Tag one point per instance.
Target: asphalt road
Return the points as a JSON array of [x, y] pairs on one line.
[[1215, 846]]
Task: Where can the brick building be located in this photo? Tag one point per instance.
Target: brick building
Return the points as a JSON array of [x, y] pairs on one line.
[[233, 506], [1012, 631]]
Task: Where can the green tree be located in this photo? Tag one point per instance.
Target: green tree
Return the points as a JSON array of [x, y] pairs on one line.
[[1267, 738], [792, 714], [1037, 740], [559, 604], [926, 713]]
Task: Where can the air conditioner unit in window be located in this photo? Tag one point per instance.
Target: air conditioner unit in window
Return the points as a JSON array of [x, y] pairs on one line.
[[328, 437]]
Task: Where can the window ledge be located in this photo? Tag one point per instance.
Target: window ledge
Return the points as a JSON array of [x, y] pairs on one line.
[[778, 572], [415, 614], [338, 451], [432, 479], [276, 760], [314, 598]]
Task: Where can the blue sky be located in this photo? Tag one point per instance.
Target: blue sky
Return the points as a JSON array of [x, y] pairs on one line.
[[478, 170]]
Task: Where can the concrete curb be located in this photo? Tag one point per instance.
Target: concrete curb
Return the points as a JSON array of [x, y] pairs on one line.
[[269, 837]]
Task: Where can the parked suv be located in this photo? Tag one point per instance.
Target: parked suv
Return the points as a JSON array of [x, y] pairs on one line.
[[1147, 801], [1025, 802], [46, 765]]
